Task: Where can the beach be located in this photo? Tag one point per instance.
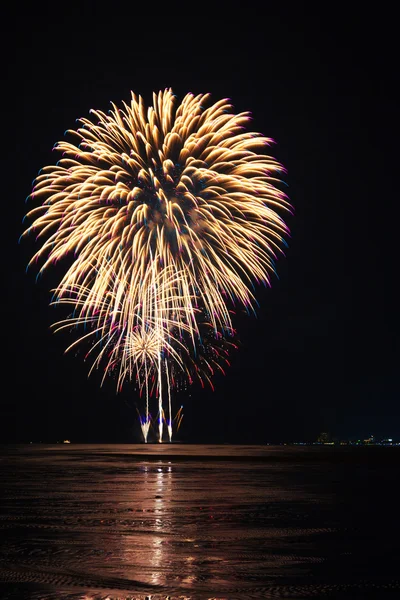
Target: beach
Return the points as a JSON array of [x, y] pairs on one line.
[[198, 522]]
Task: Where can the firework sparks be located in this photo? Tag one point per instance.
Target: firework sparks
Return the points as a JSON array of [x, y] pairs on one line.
[[166, 213], [178, 418], [133, 348], [169, 423]]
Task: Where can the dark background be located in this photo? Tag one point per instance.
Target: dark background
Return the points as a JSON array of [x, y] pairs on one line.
[[323, 353]]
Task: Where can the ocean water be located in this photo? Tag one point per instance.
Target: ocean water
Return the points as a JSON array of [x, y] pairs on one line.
[[199, 522]]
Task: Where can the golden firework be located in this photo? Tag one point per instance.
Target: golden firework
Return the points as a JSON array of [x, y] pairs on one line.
[[181, 187], [165, 212]]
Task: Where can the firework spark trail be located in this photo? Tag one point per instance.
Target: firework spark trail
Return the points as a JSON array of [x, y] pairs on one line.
[[169, 422], [160, 402], [135, 348], [180, 195], [134, 353], [178, 418], [150, 326], [146, 425]]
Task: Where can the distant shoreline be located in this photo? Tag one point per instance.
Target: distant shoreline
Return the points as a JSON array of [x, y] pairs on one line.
[[168, 453]]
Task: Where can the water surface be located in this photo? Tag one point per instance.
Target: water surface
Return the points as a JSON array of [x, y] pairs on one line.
[[198, 522]]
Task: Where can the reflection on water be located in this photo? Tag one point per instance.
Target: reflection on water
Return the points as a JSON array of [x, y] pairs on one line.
[[198, 522]]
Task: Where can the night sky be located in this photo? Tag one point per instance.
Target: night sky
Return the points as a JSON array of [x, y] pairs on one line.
[[323, 353]]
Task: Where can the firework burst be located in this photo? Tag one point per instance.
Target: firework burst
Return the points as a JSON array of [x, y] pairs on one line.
[[167, 212]]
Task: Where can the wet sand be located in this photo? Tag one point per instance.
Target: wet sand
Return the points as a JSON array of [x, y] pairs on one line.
[[198, 522]]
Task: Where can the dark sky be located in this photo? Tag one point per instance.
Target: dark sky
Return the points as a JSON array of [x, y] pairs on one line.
[[323, 353]]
